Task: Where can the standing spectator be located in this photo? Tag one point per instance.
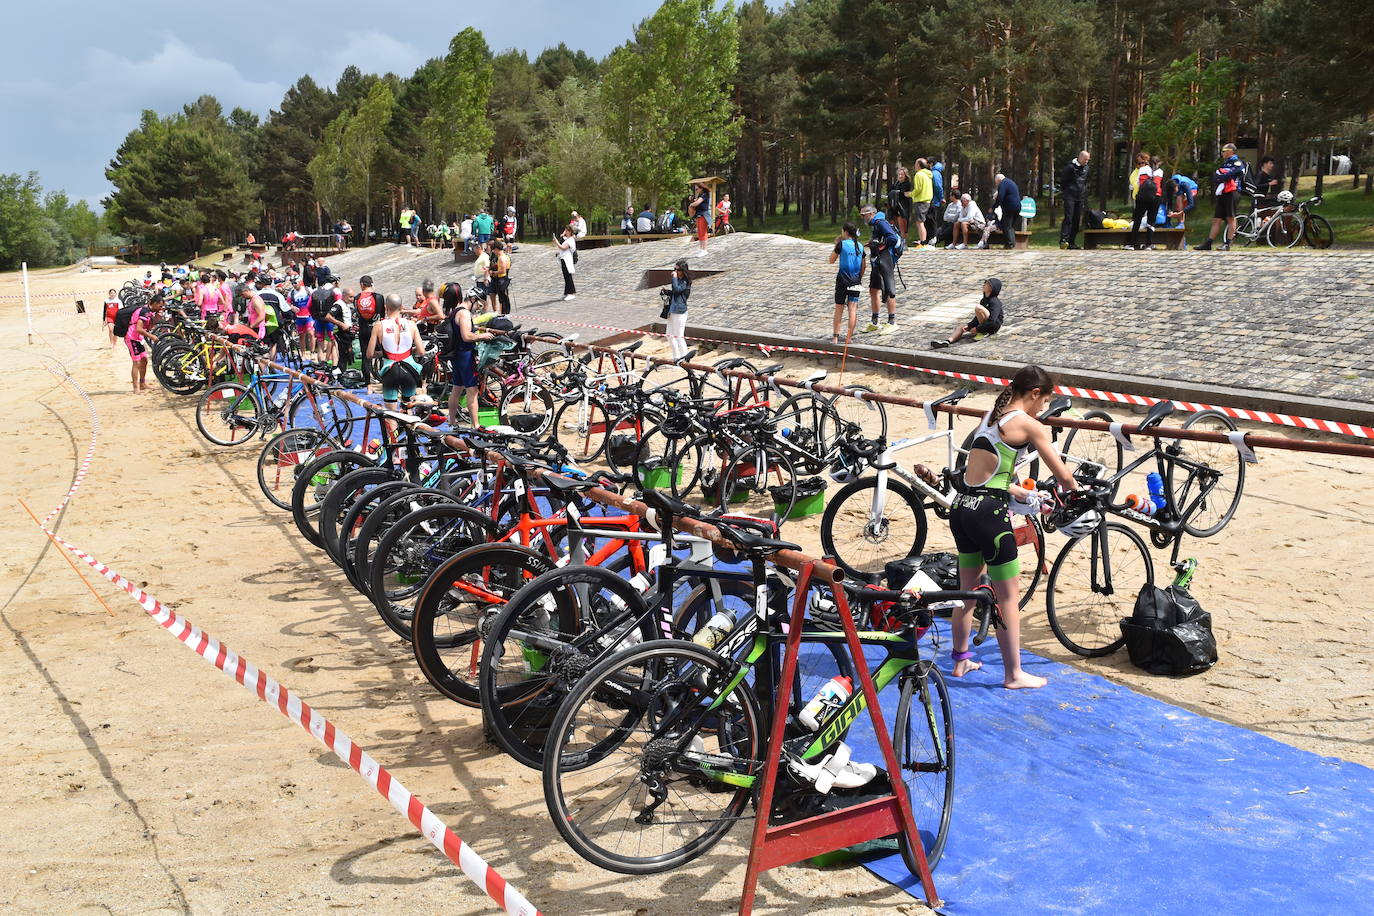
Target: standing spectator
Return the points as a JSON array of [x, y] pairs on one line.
[[1145, 181], [1009, 199], [922, 194], [678, 290], [482, 225], [723, 213], [112, 305], [644, 223], [500, 277], [852, 258], [899, 199], [368, 306], [700, 211], [567, 252], [969, 218], [409, 233], [986, 321], [1073, 187], [937, 196], [1268, 182], [1226, 187], [578, 224], [508, 227], [465, 232], [882, 246]]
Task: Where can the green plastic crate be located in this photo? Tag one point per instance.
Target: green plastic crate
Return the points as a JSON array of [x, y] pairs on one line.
[[660, 477], [804, 508], [488, 418]]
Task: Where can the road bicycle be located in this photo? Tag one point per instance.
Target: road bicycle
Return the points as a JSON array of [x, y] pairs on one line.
[[1296, 223], [232, 413], [1096, 576], [657, 751]]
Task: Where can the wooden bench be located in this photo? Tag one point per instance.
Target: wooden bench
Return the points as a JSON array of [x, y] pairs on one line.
[[1022, 239], [588, 242], [1171, 239]]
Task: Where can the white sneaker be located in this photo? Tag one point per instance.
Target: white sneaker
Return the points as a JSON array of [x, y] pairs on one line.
[[960, 247], [569, 297]]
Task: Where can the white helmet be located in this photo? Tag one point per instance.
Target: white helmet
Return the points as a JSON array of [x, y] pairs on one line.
[[1285, 197], [1085, 524], [844, 469]]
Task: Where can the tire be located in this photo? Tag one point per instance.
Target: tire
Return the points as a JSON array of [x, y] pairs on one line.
[[1028, 533], [347, 490], [631, 423], [861, 549], [923, 742], [1284, 231], [808, 421], [517, 403], [379, 522], [333, 417], [596, 755], [356, 517], [529, 662], [1219, 507], [869, 416], [1317, 232], [282, 458], [229, 414], [656, 448], [314, 482], [1088, 621], [1097, 446], [412, 549], [583, 432], [460, 599], [752, 479], [180, 371]]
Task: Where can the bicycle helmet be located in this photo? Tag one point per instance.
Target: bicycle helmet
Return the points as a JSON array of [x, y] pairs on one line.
[[1084, 524], [1285, 197], [845, 468]]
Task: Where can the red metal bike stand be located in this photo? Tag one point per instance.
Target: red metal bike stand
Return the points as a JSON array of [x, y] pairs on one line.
[[881, 817]]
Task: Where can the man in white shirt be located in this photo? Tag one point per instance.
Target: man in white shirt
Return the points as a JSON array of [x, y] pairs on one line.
[[968, 219], [579, 225], [465, 232]]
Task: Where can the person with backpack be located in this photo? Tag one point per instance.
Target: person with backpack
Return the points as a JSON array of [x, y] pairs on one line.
[[461, 352], [321, 307], [884, 248], [853, 259], [1226, 185], [1073, 188], [368, 306], [132, 324]]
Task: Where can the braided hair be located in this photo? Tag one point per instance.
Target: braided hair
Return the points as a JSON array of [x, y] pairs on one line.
[[1026, 380]]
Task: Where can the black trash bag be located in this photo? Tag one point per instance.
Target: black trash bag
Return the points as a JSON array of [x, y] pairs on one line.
[[1169, 632], [621, 449]]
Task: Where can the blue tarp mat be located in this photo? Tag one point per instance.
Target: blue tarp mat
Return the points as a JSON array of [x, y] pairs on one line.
[[1086, 797]]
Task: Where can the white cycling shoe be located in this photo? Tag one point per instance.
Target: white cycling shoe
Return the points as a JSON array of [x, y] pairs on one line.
[[835, 771]]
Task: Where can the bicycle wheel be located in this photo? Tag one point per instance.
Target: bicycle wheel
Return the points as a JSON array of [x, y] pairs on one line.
[[1093, 446], [379, 522], [180, 370], [630, 789], [547, 636], [1284, 231], [864, 538], [923, 743], [326, 411], [527, 408], [869, 417], [459, 601], [759, 482], [283, 457], [351, 526], [1093, 585], [655, 450], [625, 434], [1317, 232], [314, 482], [1028, 534], [808, 421], [1218, 505], [1245, 229], [341, 496], [582, 428], [229, 414], [412, 549]]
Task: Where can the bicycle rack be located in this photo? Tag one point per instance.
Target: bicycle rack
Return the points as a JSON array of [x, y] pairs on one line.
[[871, 820]]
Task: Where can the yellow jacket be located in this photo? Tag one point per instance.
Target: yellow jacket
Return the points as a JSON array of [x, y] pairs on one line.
[[922, 187]]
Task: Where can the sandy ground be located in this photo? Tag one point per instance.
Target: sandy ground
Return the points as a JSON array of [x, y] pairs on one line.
[[138, 779]]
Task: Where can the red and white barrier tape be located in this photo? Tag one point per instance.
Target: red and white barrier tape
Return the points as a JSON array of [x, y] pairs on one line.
[[274, 694], [1095, 394], [287, 703]]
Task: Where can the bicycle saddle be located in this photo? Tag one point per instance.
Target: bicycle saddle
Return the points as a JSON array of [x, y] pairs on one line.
[[685, 358], [566, 486], [1057, 406], [754, 543], [632, 347], [770, 370], [667, 505], [1157, 414], [733, 362]]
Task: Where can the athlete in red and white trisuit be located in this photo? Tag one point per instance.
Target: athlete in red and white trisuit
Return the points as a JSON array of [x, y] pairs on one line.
[[112, 304]]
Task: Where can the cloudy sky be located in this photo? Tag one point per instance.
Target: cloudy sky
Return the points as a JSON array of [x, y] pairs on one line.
[[77, 75]]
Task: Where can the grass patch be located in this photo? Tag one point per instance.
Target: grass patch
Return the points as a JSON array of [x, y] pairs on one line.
[[1350, 211]]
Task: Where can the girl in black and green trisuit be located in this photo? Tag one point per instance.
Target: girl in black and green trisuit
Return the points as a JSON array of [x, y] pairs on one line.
[[981, 516]]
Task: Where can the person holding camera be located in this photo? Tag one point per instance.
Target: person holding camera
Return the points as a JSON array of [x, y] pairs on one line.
[[675, 307], [567, 260]]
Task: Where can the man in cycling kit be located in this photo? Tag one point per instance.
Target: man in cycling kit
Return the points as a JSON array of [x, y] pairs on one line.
[[1226, 183], [980, 518]]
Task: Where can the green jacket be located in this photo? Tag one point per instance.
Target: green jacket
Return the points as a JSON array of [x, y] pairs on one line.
[[922, 187]]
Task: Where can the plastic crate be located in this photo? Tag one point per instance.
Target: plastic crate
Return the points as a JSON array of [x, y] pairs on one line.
[[660, 477], [805, 507]]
